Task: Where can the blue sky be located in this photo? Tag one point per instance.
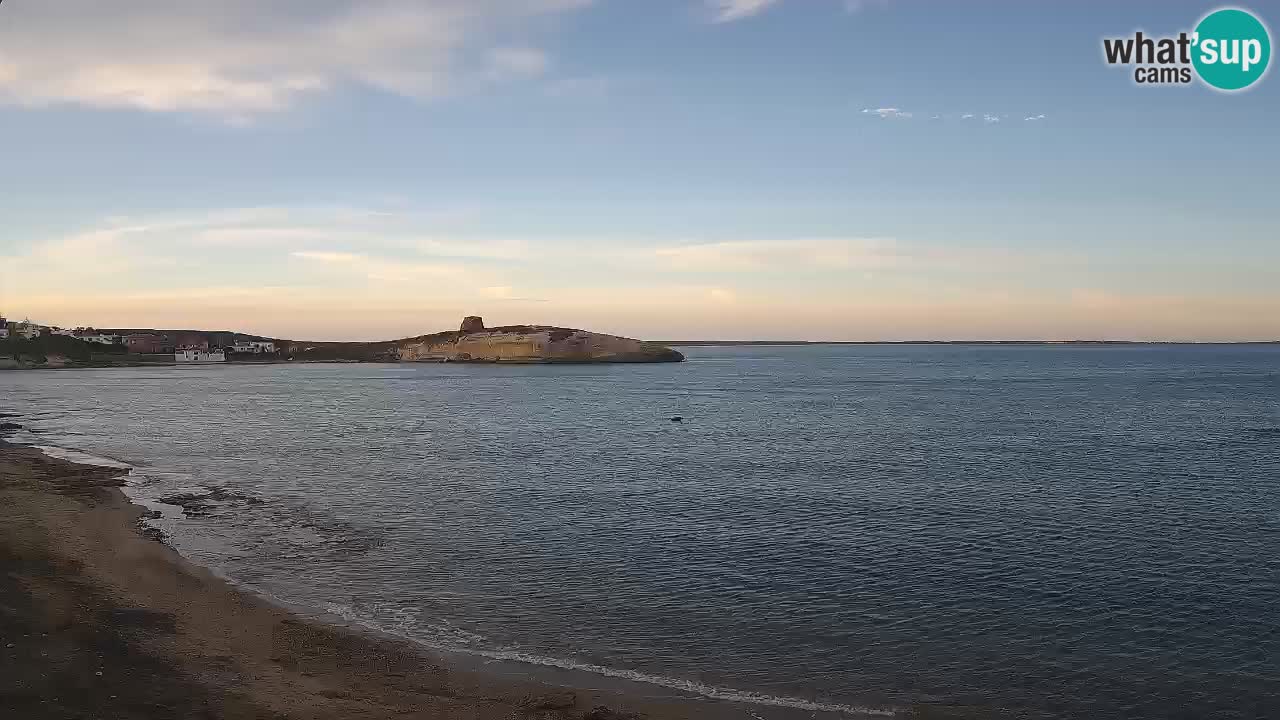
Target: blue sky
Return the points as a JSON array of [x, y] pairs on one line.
[[336, 169]]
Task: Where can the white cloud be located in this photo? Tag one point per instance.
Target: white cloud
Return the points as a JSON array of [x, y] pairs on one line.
[[723, 11], [887, 112], [730, 10], [988, 118], [239, 58]]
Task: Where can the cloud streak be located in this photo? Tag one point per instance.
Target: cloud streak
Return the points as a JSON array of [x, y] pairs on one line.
[[726, 11], [782, 255], [892, 113]]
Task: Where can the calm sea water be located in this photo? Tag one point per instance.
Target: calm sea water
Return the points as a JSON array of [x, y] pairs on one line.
[[1058, 532]]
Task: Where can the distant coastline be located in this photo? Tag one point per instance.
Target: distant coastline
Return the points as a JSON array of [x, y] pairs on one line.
[[29, 345], [768, 343]]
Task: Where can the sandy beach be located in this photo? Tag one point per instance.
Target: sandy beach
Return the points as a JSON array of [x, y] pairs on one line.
[[100, 620]]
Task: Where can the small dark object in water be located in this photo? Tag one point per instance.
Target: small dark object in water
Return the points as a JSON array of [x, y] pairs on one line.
[[676, 418], [9, 427]]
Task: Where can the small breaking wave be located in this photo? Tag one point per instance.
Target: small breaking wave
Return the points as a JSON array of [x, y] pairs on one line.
[[408, 625], [712, 692], [80, 457]]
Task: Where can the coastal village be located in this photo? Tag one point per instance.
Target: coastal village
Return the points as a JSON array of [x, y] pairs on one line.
[[149, 345]]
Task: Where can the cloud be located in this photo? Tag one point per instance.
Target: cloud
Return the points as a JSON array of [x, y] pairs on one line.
[[506, 293], [480, 248], [328, 257], [887, 112], [725, 11], [856, 6], [258, 236], [373, 276], [722, 295], [240, 58], [382, 268], [987, 118], [782, 255], [526, 62]]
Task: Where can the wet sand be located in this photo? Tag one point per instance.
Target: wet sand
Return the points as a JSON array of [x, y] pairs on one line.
[[99, 620]]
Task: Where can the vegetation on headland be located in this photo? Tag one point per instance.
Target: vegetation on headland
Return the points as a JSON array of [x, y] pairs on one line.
[[56, 351]]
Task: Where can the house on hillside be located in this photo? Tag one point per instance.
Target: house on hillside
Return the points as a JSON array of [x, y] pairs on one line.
[[26, 329], [199, 355], [191, 341], [148, 343], [90, 335], [254, 347], [4, 328]]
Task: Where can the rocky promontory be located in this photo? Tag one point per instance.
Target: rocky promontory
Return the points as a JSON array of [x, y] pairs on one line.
[[473, 342]]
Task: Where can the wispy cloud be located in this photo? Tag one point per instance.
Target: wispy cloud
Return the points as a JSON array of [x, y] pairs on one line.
[[781, 255], [374, 276], [477, 248], [328, 257], [856, 6], [891, 113], [724, 11], [240, 58], [509, 62]]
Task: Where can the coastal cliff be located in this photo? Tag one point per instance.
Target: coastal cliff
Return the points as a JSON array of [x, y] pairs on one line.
[[473, 342]]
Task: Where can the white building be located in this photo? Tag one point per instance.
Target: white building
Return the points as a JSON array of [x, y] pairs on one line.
[[26, 329], [254, 347], [61, 331], [4, 328], [100, 338], [196, 355]]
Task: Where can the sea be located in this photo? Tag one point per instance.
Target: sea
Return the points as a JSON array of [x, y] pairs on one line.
[[984, 531]]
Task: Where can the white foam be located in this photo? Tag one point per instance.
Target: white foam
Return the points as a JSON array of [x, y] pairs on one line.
[[81, 458], [708, 691], [407, 625]]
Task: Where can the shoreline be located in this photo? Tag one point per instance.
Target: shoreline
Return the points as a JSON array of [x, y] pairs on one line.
[[92, 585]]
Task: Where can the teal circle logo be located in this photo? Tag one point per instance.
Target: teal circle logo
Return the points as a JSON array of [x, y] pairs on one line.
[[1231, 49]]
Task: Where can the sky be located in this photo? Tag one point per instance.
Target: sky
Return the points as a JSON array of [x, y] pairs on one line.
[[664, 169]]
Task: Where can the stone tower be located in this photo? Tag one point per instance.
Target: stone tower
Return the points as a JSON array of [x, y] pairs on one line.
[[472, 324]]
